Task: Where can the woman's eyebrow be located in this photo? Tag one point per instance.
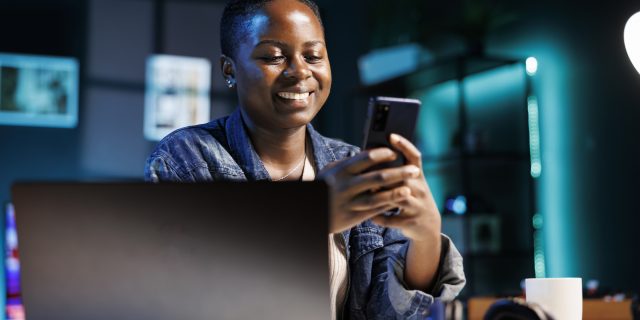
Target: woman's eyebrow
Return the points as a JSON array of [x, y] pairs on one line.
[[314, 43], [282, 44], [272, 42]]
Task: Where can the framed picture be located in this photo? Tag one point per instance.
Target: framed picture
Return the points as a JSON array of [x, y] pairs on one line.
[[38, 91], [177, 94]]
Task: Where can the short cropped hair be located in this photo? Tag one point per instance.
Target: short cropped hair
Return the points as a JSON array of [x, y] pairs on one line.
[[235, 21]]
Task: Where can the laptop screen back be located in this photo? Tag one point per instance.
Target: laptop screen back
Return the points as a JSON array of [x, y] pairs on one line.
[[173, 251]]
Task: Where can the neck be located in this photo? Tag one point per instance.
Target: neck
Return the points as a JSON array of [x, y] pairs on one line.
[[280, 150]]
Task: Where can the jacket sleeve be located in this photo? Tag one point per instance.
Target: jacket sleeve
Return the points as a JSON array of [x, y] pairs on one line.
[[160, 168], [390, 298]]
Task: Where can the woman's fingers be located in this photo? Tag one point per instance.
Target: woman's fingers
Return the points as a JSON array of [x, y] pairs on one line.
[[371, 213], [405, 219], [367, 201], [397, 222], [367, 159], [379, 179], [410, 152], [350, 218]]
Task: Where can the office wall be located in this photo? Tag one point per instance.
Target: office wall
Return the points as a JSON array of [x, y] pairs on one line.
[[40, 27]]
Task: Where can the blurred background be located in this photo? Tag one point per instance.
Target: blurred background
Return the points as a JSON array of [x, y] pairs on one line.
[[528, 127]]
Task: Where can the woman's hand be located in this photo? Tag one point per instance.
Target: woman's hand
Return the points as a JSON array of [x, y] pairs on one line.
[[358, 196], [419, 218]]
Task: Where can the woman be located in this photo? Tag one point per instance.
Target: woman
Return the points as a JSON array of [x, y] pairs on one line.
[[275, 56]]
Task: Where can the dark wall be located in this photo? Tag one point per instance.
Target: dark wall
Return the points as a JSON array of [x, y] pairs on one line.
[[46, 28]]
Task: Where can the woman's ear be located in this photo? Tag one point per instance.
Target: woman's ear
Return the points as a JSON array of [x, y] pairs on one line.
[[228, 70]]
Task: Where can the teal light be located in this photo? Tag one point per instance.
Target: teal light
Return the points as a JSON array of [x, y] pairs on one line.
[[534, 136], [538, 255], [531, 65], [557, 94], [537, 221], [556, 255], [538, 246]]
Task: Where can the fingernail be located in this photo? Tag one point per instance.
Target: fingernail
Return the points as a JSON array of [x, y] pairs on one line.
[[404, 192], [394, 137]]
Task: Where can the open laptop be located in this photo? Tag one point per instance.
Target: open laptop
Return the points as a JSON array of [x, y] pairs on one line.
[[173, 251]]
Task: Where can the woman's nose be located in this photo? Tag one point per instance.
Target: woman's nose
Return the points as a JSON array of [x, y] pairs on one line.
[[297, 69]]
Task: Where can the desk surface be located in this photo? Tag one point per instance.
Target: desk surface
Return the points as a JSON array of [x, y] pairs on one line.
[[592, 309]]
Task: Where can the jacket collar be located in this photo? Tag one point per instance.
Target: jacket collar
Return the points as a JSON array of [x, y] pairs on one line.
[[247, 158]]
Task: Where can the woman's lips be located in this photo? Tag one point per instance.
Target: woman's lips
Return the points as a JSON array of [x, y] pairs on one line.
[[295, 99], [293, 95]]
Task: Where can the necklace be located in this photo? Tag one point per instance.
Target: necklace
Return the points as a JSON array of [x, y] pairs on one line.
[[297, 166], [293, 170]]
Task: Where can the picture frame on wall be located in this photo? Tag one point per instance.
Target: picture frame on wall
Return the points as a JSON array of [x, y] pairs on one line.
[[39, 91], [177, 94]]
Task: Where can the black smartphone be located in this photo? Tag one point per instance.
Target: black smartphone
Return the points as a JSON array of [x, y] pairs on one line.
[[388, 115]]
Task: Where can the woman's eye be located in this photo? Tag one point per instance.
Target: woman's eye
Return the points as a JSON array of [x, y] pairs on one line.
[[313, 59], [273, 59]]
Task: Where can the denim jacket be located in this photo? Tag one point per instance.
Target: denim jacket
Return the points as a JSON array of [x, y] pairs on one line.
[[222, 150]]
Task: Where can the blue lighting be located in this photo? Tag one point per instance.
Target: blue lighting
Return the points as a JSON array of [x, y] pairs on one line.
[[538, 246], [534, 136], [457, 205], [537, 221], [538, 255], [556, 255]]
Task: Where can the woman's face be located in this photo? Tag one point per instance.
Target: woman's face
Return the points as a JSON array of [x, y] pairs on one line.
[[282, 69]]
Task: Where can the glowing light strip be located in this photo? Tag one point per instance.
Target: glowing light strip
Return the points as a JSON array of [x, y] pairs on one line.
[[538, 247], [538, 255], [534, 136]]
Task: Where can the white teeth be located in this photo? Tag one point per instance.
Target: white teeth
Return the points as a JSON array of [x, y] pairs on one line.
[[293, 95]]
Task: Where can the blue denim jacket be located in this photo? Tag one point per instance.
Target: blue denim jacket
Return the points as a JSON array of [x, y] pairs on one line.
[[222, 150]]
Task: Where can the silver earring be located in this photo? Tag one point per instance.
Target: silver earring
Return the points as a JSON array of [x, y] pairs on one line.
[[230, 83]]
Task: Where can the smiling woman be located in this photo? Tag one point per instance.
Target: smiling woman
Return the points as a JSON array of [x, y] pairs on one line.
[[274, 55]]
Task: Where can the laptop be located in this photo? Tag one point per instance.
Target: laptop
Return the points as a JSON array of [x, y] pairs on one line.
[[253, 250]]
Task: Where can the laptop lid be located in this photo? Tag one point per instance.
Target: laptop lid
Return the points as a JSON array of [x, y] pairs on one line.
[[173, 251]]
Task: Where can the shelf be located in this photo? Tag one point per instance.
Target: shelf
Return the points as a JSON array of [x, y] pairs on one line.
[[439, 71], [486, 156]]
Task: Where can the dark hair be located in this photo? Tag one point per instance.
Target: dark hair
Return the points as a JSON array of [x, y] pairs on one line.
[[235, 18]]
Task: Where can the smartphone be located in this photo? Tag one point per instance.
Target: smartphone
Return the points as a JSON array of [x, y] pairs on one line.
[[388, 115]]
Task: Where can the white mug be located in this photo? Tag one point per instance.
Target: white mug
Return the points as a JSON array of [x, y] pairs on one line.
[[560, 297]]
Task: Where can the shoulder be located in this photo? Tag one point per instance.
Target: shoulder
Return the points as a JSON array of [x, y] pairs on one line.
[[184, 141], [185, 150], [342, 149]]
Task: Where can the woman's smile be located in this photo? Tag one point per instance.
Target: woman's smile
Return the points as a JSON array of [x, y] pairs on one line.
[[293, 95], [297, 99]]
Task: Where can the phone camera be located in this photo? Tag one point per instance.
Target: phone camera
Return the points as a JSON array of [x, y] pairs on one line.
[[380, 117]]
